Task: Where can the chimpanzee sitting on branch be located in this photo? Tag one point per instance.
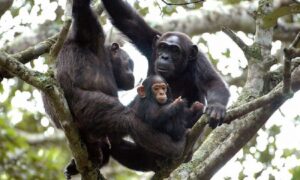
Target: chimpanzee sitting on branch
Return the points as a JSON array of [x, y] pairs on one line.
[[154, 106], [185, 68], [89, 73]]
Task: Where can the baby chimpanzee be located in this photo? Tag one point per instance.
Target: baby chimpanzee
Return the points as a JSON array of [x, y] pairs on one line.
[[154, 106]]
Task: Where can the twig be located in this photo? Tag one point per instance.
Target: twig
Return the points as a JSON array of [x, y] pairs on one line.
[[60, 40], [11, 64], [287, 76], [289, 54], [296, 41], [182, 4], [253, 105], [30, 54], [236, 39]]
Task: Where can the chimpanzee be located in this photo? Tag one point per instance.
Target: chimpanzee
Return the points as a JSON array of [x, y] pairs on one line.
[[185, 68], [174, 56], [123, 72], [122, 66], [154, 106], [85, 72]]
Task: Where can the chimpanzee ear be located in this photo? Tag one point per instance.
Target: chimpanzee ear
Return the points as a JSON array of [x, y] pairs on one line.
[[194, 52], [114, 46], [141, 91], [155, 40]]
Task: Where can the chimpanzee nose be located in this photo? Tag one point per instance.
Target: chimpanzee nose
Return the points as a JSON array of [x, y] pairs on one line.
[[165, 57]]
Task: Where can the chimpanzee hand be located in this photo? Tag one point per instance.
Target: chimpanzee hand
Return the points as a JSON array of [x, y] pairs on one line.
[[197, 106], [179, 103], [216, 113]]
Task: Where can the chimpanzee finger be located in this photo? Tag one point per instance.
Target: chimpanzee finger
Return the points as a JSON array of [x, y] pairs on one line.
[[218, 114], [208, 110], [223, 114], [221, 120], [213, 114], [212, 123]]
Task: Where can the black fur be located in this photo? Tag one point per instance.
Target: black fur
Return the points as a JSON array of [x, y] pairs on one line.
[[187, 71], [168, 118], [85, 72]]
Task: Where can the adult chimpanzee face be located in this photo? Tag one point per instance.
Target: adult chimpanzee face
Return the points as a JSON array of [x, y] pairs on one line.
[[122, 67], [169, 56]]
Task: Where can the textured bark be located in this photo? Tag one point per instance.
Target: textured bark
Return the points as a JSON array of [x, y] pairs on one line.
[[227, 140]]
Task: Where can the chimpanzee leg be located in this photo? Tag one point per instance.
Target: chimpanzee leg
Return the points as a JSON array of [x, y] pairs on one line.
[[104, 115], [134, 156]]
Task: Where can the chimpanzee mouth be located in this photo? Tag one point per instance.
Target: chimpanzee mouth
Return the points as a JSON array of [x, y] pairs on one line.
[[162, 70]]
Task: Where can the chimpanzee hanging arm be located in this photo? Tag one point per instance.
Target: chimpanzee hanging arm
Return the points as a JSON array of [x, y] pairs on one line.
[[132, 25]]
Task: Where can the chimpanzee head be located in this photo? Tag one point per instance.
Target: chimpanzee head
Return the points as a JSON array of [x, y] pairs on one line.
[[122, 67], [156, 89], [173, 50]]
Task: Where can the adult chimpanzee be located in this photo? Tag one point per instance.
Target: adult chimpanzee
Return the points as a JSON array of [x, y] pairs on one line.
[[122, 66], [154, 106], [176, 58], [85, 71], [185, 68], [123, 72]]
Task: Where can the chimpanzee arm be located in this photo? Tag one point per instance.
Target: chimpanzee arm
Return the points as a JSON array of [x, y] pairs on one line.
[[217, 93], [126, 19], [86, 29], [165, 113]]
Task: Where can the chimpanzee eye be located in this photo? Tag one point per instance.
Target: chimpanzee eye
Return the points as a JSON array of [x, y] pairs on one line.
[[162, 46], [155, 88], [175, 49]]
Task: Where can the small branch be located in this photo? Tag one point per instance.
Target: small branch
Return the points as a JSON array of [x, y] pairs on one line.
[[237, 81], [11, 64], [253, 105], [287, 76], [182, 4], [30, 54], [296, 41], [236, 39], [60, 40], [289, 54]]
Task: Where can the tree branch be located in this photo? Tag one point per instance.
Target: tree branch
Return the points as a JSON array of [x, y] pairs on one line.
[[236, 39], [30, 54], [4, 6]]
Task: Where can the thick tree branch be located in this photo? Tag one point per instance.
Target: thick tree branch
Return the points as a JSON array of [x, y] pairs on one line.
[[4, 6], [235, 17], [226, 140]]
